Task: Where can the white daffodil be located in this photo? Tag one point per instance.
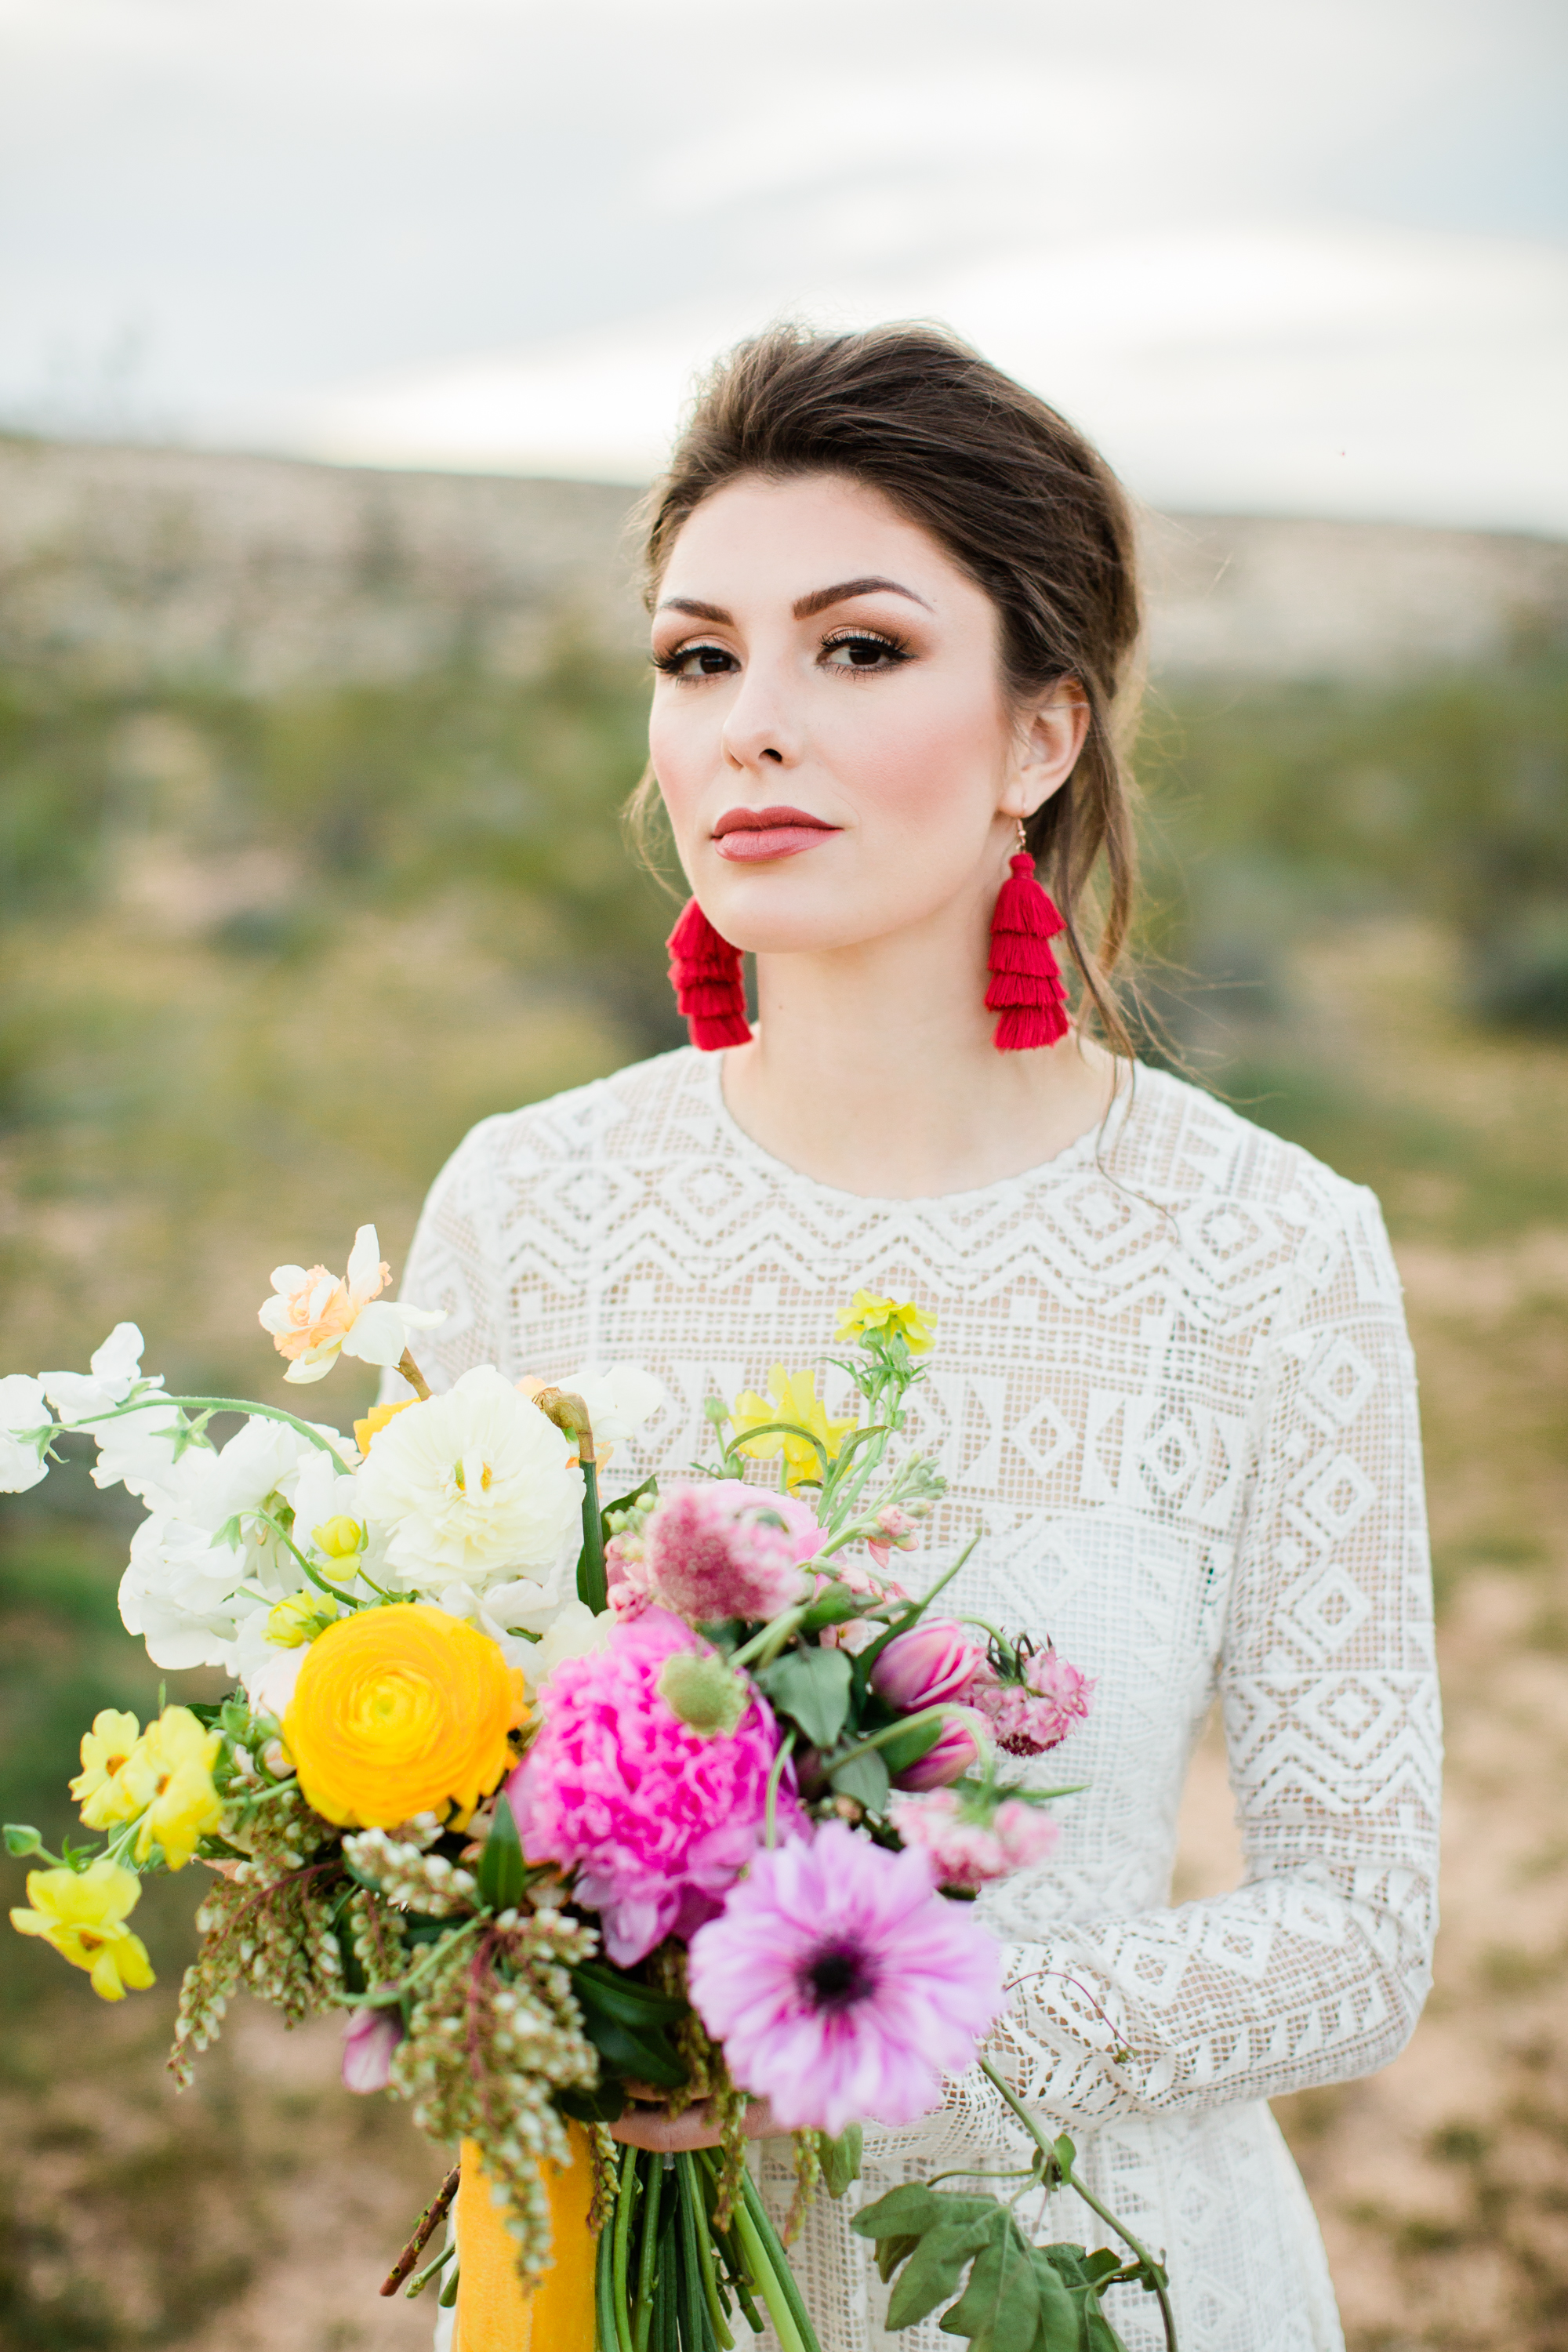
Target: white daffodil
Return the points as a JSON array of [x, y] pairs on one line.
[[116, 1370], [474, 1488], [23, 1410], [314, 1317]]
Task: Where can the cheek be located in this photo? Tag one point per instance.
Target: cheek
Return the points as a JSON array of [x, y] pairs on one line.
[[928, 758], [684, 745]]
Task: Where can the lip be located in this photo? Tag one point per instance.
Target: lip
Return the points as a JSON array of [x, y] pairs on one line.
[[744, 835]]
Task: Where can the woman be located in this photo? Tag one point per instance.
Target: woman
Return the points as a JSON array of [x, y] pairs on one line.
[[894, 625]]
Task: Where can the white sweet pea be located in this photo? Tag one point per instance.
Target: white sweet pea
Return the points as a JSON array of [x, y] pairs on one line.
[[463, 1601], [23, 1409], [620, 1399], [116, 1369], [474, 1488], [194, 1575], [140, 1453], [314, 1317], [574, 1634], [268, 1671]]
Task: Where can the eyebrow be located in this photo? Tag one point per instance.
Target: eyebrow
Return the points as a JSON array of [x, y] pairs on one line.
[[804, 608]]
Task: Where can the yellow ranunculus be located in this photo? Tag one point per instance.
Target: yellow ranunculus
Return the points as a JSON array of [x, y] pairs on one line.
[[168, 1776], [867, 1315], [792, 1397], [100, 1787], [82, 1913], [401, 1710]]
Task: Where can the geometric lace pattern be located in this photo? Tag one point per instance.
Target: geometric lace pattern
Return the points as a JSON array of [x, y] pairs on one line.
[[1172, 1387]]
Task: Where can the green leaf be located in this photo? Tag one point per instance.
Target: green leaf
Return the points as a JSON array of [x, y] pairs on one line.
[[840, 2160], [914, 2209], [646, 2058], [864, 1778], [832, 1606], [503, 1872], [604, 2104], [1101, 2264], [811, 1685], [934, 2270], [1002, 2308], [637, 2005], [890, 2252]]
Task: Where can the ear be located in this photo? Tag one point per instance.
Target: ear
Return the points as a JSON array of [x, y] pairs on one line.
[[1050, 736]]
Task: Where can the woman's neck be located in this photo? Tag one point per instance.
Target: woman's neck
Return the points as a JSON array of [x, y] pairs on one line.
[[873, 1070]]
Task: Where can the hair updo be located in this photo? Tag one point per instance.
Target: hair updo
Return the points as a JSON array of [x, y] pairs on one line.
[[1018, 500]]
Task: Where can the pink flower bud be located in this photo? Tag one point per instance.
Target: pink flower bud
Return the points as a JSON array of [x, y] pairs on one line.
[[950, 1760], [936, 1661], [370, 2037]]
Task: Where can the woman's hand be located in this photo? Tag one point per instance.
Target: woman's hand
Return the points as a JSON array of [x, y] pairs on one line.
[[652, 2127]]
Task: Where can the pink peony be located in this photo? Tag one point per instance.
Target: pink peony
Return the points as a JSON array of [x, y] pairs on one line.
[[370, 2037], [724, 1549], [626, 1576], [965, 1850], [656, 1818], [842, 1985], [936, 1660], [1030, 1716]]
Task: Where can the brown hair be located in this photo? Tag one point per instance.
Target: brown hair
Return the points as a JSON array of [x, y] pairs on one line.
[[1017, 498]]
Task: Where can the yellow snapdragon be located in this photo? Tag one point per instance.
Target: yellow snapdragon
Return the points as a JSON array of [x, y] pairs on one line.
[[868, 1317], [792, 1398], [100, 1787], [168, 1777], [82, 1913]]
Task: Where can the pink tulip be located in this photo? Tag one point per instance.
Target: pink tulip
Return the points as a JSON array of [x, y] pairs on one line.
[[370, 2037], [936, 1661], [949, 1759]]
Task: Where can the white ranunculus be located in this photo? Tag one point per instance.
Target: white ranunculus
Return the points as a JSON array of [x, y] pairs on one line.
[[620, 1399], [116, 1369], [23, 1407], [474, 1488]]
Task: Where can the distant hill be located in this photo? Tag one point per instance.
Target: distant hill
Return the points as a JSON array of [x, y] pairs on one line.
[[265, 573]]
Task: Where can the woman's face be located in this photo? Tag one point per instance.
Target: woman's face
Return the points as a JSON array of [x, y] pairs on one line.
[[829, 728]]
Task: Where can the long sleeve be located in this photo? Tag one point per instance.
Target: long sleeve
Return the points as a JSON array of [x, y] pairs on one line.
[[1315, 1969]]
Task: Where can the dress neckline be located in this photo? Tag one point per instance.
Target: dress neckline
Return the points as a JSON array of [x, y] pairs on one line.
[[1082, 1151]]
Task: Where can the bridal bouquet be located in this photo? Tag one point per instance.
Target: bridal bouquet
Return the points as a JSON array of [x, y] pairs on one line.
[[575, 1808]]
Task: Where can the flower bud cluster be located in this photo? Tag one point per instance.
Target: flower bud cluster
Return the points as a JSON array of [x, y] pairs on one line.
[[409, 1878]]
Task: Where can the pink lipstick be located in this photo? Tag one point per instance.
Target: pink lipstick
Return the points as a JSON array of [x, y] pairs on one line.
[[747, 835]]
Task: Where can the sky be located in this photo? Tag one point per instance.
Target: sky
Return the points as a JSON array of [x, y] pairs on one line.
[[1296, 257]]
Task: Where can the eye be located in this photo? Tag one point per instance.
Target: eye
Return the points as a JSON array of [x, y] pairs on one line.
[[855, 650], [695, 661]]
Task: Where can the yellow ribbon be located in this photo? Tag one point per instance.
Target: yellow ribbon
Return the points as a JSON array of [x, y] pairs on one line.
[[493, 2313]]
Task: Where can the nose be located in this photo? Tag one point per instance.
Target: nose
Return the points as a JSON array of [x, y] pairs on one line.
[[760, 730]]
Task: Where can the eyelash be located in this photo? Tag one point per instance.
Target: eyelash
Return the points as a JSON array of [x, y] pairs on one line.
[[672, 664]]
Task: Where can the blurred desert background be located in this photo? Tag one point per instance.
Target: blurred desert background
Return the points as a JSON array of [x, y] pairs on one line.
[[310, 856]]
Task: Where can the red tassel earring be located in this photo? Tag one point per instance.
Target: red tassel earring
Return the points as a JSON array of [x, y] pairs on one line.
[[705, 973], [1026, 986]]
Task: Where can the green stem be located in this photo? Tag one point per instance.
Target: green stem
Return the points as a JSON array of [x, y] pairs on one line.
[[647, 2265], [892, 1731], [593, 1589], [778, 2262], [698, 2226], [625, 2197], [214, 1404], [867, 1657], [607, 2337], [767, 2284], [421, 2279], [771, 1638], [776, 1774], [1149, 2271]]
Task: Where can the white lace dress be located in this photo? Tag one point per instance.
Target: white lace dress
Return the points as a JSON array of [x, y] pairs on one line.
[[1173, 1384]]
